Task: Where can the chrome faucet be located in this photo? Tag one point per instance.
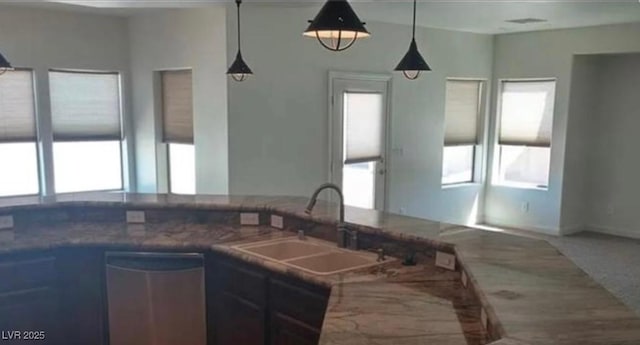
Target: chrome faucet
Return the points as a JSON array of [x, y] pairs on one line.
[[346, 238]]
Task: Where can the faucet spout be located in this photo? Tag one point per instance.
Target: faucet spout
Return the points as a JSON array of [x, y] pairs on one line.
[[314, 199]]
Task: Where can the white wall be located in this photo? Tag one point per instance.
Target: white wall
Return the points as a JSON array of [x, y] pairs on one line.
[[45, 39], [181, 38], [278, 119], [548, 54], [613, 166]]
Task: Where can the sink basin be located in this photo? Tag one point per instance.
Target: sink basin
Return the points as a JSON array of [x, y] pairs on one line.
[[334, 262], [283, 250], [311, 255]]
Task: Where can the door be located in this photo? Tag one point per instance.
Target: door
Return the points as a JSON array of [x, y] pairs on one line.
[[358, 135]]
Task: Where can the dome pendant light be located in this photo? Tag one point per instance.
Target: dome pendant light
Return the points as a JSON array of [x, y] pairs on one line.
[[413, 63], [239, 71], [4, 65], [336, 26]]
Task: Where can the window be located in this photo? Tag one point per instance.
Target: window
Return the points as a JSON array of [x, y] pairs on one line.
[[177, 130], [462, 109], [526, 120], [87, 133], [18, 148]]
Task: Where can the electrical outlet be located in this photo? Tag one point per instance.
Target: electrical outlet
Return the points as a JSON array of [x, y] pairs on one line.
[[464, 279], [403, 211], [610, 210], [6, 222], [277, 222], [524, 207], [135, 217], [249, 219], [446, 261]]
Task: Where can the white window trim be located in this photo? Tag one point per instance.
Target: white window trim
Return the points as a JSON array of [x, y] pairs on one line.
[[480, 152], [496, 154]]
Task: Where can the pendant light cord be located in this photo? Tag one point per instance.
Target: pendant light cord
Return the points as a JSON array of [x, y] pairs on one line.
[[414, 20], [238, 2]]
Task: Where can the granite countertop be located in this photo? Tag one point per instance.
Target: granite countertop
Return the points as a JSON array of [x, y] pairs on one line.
[[532, 292]]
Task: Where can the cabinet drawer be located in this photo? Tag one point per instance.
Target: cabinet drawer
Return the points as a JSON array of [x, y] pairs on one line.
[[299, 302], [22, 273], [241, 281]]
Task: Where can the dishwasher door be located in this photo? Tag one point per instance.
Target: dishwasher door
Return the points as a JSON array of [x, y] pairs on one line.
[[156, 298]]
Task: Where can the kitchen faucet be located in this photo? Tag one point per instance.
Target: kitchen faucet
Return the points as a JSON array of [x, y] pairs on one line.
[[343, 232]]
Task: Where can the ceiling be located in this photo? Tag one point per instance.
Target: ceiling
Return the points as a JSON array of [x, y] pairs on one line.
[[481, 16]]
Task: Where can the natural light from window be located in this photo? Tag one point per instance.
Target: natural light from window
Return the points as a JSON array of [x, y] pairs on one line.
[[87, 166], [182, 168], [22, 178], [523, 166], [457, 164], [358, 180]]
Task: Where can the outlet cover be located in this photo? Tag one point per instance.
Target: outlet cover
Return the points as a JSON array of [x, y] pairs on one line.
[[464, 279], [6, 222], [249, 219], [277, 222], [524, 207], [446, 261], [135, 217]]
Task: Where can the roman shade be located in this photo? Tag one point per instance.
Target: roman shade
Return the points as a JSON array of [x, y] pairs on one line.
[[527, 112], [177, 107], [462, 108], [363, 126], [17, 110], [85, 106]]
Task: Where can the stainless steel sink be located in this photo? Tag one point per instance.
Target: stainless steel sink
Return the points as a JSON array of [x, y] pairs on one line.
[[312, 255]]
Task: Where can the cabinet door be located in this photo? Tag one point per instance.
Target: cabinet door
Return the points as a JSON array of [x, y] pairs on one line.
[[239, 321], [34, 313], [81, 285], [288, 331]]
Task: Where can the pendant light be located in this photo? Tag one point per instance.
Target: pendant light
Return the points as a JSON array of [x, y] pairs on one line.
[[336, 26], [239, 71], [413, 63], [4, 65]]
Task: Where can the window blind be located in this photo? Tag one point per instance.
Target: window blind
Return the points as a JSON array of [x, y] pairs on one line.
[[177, 107], [363, 126], [85, 106], [17, 110], [462, 107], [527, 112]]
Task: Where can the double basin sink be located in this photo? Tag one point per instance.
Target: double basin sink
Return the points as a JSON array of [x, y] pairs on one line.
[[312, 255]]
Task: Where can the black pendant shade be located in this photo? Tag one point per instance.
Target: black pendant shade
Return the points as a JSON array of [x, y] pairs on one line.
[[4, 65], [336, 26], [413, 63], [239, 70]]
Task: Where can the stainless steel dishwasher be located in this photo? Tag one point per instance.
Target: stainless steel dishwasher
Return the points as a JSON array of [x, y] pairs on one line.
[[156, 298]]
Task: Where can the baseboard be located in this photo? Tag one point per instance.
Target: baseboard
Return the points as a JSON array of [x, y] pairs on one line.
[[527, 227], [572, 229], [614, 231]]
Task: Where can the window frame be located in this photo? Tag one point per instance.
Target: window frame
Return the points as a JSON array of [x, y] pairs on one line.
[[497, 151], [37, 142], [124, 159], [477, 164]]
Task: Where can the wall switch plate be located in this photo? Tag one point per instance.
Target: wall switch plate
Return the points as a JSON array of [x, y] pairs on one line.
[[483, 318], [446, 261], [249, 219], [277, 222], [6, 222], [135, 217], [464, 279]]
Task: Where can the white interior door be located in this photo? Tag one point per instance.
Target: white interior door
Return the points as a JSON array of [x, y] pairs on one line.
[[358, 137]]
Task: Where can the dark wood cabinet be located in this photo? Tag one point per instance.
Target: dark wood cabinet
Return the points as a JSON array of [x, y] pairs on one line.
[[28, 299], [82, 296], [251, 306]]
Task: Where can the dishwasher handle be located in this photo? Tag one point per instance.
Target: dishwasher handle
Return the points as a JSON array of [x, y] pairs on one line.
[[154, 262]]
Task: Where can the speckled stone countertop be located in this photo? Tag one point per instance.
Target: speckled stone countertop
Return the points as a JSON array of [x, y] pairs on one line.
[[531, 292]]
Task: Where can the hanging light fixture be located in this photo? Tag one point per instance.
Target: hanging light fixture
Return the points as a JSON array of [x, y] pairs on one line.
[[413, 63], [239, 71], [4, 65], [336, 26]]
